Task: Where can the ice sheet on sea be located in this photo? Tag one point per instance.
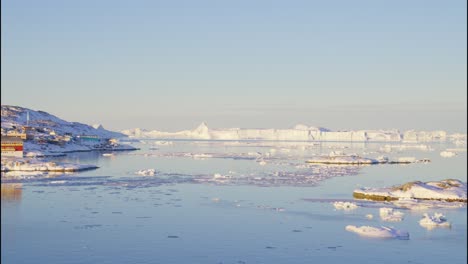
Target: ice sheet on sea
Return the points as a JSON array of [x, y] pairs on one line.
[[306, 177], [378, 232]]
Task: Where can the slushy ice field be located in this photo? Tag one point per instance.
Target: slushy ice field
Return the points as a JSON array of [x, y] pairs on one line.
[[226, 202]]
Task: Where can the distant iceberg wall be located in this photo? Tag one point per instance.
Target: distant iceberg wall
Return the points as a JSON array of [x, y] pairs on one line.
[[424, 136], [298, 133]]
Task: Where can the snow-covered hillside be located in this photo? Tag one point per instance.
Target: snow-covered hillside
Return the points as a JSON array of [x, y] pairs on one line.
[[46, 134], [299, 132], [15, 116]]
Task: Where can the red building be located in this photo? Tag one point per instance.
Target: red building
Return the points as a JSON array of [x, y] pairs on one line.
[[12, 146]]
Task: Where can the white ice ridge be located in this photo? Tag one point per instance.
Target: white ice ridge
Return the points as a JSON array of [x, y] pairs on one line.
[[298, 133], [378, 232], [431, 222]]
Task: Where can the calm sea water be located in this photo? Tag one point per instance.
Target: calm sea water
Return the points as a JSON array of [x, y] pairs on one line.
[[224, 206]]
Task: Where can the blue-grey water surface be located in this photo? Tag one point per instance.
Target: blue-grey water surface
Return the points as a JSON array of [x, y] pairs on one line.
[[248, 213]]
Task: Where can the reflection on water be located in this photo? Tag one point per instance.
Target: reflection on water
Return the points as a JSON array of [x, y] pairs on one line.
[[11, 191]]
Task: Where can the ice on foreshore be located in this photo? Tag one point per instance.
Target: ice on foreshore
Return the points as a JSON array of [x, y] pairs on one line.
[[33, 164], [451, 190], [390, 215], [22, 174], [378, 232], [447, 154], [437, 220], [347, 206], [415, 205], [147, 172]]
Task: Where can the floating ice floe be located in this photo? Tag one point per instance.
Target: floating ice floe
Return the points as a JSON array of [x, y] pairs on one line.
[[378, 232], [389, 148], [390, 215], [148, 172], [447, 154], [431, 222], [163, 143], [347, 206], [446, 190], [353, 159]]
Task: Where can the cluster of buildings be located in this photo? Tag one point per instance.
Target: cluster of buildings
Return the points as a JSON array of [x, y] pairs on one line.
[[12, 140]]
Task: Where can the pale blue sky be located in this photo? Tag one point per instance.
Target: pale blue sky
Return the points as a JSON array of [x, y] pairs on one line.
[[170, 65]]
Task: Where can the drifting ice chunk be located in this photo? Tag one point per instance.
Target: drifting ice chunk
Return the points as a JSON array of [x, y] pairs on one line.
[[389, 215], [148, 172], [347, 206], [431, 222], [378, 232], [447, 154]]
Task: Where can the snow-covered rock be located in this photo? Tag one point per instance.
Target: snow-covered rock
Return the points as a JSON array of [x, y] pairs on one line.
[[447, 190]]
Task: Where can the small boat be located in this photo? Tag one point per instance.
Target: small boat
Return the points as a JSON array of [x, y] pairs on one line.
[[108, 154]]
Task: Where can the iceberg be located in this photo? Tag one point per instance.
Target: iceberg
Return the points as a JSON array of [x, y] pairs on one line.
[[431, 222], [298, 132]]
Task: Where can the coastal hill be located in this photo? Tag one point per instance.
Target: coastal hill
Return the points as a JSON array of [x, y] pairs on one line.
[[46, 134]]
